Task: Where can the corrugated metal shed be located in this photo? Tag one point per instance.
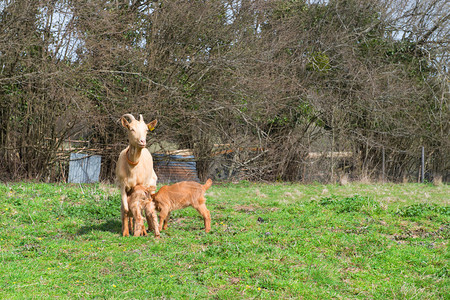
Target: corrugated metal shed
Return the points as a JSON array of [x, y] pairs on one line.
[[175, 166], [84, 168]]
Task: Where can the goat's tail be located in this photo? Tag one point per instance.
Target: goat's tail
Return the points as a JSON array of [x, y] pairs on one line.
[[207, 184]]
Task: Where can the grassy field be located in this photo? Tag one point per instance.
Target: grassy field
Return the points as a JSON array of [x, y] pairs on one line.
[[268, 241]]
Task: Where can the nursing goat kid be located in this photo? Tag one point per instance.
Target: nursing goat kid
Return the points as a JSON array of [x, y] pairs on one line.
[[178, 196], [135, 167], [138, 197]]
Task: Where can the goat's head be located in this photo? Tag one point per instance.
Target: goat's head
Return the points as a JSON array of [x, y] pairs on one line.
[[137, 130]]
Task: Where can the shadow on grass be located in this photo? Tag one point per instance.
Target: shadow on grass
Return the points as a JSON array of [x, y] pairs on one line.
[[111, 225]]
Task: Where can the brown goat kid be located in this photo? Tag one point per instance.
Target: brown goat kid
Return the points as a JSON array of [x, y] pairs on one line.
[[181, 195], [138, 198]]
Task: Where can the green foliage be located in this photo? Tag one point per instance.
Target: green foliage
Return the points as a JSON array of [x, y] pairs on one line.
[[423, 209], [298, 112], [290, 8], [319, 62], [90, 209], [11, 89], [355, 203]]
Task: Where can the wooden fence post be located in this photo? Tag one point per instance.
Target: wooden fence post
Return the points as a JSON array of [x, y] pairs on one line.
[[384, 162], [422, 172]]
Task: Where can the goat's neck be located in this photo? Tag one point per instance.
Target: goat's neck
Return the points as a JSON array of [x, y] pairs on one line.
[[134, 153]]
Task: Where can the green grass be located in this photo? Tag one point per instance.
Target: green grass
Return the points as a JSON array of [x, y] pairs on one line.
[[268, 241]]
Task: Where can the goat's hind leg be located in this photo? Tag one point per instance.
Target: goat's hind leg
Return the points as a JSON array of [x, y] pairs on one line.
[[163, 218], [206, 216], [166, 221]]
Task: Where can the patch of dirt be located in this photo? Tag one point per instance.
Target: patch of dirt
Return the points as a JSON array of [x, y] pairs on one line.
[[177, 220], [221, 206], [259, 194], [211, 194], [234, 280], [289, 195], [356, 230], [109, 189], [273, 208], [418, 232], [352, 270], [393, 200], [105, 271], [245, 208]]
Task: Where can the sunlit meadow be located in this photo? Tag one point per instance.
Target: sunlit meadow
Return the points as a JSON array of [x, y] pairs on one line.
[[357, 241]]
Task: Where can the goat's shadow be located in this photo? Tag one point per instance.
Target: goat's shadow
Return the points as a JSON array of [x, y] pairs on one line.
[[112, 225]]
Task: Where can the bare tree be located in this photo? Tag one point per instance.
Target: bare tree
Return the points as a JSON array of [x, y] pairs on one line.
[[259, 83]]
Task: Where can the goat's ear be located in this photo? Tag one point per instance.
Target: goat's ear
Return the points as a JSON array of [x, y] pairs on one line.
[[125, 122], [149, 190], [151, 126]]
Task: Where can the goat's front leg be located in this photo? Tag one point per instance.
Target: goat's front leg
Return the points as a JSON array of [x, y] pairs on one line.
[[144, 232], [124, 212], [124, 196], [138, 225], [152, 218], [125, 222]]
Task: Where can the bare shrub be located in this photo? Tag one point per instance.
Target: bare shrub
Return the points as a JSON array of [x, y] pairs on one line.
[[271, 80]]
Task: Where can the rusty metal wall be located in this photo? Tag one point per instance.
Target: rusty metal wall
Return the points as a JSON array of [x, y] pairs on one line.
[[175, 168]]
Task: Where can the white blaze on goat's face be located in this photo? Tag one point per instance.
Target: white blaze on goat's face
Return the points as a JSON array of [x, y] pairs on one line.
[[137, 131]]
